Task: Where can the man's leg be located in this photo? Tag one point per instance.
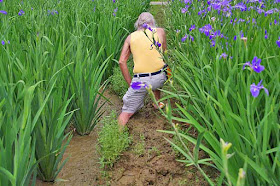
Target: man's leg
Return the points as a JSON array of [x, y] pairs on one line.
[[157, 94], [123, 118]]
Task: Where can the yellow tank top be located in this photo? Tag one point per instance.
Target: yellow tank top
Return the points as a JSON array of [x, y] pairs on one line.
[[146, 58]]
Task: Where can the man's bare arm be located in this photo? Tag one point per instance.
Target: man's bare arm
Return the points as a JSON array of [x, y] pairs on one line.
[[162, 36], [123, 60]]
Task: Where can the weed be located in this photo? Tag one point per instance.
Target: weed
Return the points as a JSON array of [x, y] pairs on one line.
[[111, 141], [155, 150], [139, 148]]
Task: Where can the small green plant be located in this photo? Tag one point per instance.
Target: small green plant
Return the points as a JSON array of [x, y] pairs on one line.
[[118, 83], [177, 141], [112, 142], [154, 151], [139, 148]]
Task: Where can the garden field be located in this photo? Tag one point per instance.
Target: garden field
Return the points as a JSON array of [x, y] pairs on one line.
[[61, 92]]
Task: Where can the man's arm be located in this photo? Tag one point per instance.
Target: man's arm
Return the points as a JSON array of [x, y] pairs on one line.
[[162, 36], [123, 60]]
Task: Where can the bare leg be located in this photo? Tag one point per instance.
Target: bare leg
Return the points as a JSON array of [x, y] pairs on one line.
[[157, 94], [123, 118]]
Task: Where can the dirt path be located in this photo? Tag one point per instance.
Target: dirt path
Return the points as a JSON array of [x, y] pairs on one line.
[[149, 160]]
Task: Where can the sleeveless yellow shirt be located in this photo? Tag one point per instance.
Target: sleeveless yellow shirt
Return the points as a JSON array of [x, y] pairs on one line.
[[146, 57]]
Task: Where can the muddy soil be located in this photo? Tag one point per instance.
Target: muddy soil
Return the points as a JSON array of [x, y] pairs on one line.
[[149, 160]]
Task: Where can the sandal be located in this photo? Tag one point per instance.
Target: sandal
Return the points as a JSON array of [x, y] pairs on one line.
[[160, 105]]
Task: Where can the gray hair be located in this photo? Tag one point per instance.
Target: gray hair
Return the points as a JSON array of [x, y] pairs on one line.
[[147, 18]]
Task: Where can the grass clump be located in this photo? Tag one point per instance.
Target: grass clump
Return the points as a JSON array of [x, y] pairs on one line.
[[112, 142], [118, 83], [139, 148]]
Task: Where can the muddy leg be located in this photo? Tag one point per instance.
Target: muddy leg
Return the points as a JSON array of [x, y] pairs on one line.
[[123, 118]]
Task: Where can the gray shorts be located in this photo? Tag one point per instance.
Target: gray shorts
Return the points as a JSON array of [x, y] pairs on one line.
[[133, 100]]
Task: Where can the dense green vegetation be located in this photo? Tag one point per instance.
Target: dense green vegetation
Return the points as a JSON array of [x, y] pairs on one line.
[[55, 57]]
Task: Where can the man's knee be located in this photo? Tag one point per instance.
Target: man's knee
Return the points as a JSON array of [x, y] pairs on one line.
[[124, 117]]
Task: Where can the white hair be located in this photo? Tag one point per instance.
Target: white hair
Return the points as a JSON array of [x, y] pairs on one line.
[[147, 18]]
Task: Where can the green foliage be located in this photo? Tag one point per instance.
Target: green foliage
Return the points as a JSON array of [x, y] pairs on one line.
[[216, 97], [139, 148], [111, 140], [118, 83], [17, 154], [70, 53]]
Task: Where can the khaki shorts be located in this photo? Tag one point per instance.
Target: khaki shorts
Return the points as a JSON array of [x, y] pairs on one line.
[[133, 100]]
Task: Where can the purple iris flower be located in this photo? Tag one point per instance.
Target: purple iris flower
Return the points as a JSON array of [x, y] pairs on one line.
[[1, 1], [3, 12], [116, 9], [223, 55], [256, 65], [191, 38], [213, 43], [184, 10], [278, 42], [3, 42], [192, 27], [206, 29], [265, 36], [184, 38], [255, 89], [138, 85], [234, 38], [268, 12], [259, 10], [114, 1], [241, 6], [156, 43], [145, 25], [21, 12]]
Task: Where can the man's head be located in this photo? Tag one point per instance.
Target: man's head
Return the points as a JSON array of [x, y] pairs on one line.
[[147, 18]]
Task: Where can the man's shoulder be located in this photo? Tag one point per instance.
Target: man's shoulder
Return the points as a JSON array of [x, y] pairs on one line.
[[160, 29]]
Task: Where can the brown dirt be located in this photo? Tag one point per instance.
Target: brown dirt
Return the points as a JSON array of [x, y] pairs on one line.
[[154, 164]]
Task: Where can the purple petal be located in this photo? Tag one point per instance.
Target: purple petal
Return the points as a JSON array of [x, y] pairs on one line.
[[246, 64], [3, 12], [136, 85], [259, 84], [266, 91], [278, 43], [254, 90], [254, 60], [258, 68]]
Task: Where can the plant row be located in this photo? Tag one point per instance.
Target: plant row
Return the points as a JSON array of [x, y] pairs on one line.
[[55, 57]]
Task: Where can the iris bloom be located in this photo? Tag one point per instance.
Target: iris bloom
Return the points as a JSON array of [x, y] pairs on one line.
[[184, 10], [138, 85], [278, 42], [255, 89], [3, 12], [256, 65], [223, 55], [3, 42], [21, 12], [184, 38], [156, 43], [192, 27]]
